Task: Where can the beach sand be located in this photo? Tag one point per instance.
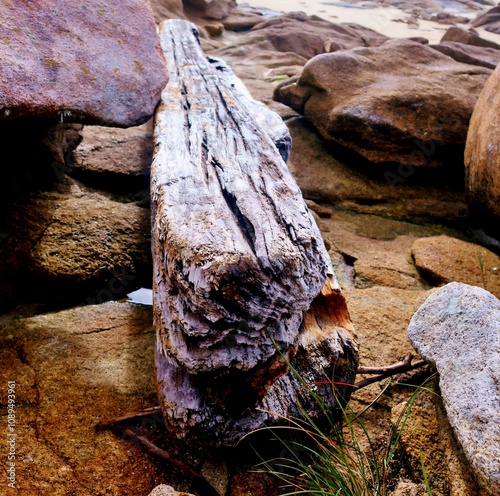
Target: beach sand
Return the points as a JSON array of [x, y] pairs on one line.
[[387, 20]]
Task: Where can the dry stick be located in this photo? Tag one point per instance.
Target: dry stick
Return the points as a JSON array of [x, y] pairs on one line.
[[381, 373], [111, 423], [202, 484]]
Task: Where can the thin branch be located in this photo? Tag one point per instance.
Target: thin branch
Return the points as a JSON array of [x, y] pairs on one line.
[[202, 485], [111, 423], [381, 373]]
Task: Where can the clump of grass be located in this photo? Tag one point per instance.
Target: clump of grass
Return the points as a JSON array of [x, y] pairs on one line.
[[482, 268], [337, 456]]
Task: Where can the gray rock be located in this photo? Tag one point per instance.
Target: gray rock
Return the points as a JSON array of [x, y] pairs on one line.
[[165, 490], [457, 329]]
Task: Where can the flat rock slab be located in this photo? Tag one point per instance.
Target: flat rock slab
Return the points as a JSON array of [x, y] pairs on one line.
[[306, 36], [74, 246], [115, 152], [457, 329], [73, 369], [401, 102], [469, 263], [470, 54], [90, 62]]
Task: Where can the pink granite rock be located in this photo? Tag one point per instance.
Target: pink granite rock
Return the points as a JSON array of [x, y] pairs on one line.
[[91, 62]]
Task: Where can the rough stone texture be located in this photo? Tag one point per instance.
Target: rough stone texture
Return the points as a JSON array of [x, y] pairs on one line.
[[376, 249], [384, 340], [482, 158], [382, 328], [326, 175], [467, 37], [408, 488], [307, 36], [75, 368], [457, 329], [115, 152], [244, 17], [489, 20], [167, 9], [469, 54], [87, 244], [108, 50], [402, 102], [213, 9], [165, 490], [442, 259]]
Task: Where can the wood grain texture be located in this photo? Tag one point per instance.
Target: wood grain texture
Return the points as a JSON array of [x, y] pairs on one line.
[[238, 258]]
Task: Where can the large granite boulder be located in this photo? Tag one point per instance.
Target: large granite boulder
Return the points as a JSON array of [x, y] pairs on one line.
[[482, 158], [308, 36], [89, 62], [457, 329], [401, 102]]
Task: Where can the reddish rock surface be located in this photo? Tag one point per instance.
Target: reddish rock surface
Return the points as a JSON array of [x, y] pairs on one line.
[[213, 9], [91, 62], [469, 54], [469, 37], [482, 158], [401, 102], [308, 36]]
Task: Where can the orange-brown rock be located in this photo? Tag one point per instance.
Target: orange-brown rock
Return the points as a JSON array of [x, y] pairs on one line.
[[87, 62], [443, 259], [469, 54], [468, 37], [401, 102], [308, 36], [482, 158], [212, 9]]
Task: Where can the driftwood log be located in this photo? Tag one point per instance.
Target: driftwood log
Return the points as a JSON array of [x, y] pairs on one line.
[[242, 280]]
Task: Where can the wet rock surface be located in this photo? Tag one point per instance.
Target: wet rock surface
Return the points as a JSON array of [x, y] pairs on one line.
[[109, 51]]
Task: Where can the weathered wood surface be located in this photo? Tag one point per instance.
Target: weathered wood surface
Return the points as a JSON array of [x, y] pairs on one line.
[[238, 258]]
